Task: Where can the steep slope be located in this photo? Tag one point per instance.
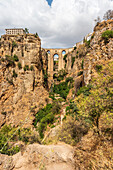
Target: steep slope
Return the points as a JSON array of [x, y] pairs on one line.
[[22, 68]]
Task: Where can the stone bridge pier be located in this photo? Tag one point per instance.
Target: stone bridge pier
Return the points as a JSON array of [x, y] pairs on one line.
[[55, 56]]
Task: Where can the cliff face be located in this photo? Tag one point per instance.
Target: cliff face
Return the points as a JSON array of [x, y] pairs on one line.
[[81, 62], [99, 51], [22, 69]]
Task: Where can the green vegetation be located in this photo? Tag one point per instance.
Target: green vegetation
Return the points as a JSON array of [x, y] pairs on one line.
[[36, 35], [65, 59], [82, 64], [26, 30], [46, 116], [45, 79], [85, 90], [72, 61], [14, 44], [75, 48], [87, 43], [31, 68], [15, 58], [10, 61], [73, 130], [63, 88], [14, 74], [26, 67], [106, 35], [98, 103], [12, 134], [98, 68], [60, 76], [19, 65], [4, 113]]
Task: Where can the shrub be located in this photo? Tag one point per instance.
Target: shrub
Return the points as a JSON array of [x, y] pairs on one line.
[[19, 65], [10, 61], [46, 116], [23, 134], [69, 79], [4, 113], [15, 58], [36, 35], [82, 64], [75, 48], [72, 61], [14, 74], [63, 88], [65, 58], [85, 90], [106, 35], [87, 43], [26, 67], [14, 44], [98, 67], [31, 68], [72, 131]]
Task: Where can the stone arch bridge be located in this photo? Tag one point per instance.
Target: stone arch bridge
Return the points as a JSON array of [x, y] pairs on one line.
[[60, 62]]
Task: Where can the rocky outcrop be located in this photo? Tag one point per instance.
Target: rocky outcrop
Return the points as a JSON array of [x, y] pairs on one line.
[[99, 51], [35, 156], [22, 68]]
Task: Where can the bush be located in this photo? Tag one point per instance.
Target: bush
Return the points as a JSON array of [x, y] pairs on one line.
[[106, 35], [10, 61], [46, 116], [75, 48], [85, 90], [72, 131], [19, 65], [69, 79], [65, 58], [82, 64], [98, 67], [26, 67], [23, 134], [4, 113], [72, 61], [15, 58], [31, 68], [87, 43], [14, 44], [14, 74]]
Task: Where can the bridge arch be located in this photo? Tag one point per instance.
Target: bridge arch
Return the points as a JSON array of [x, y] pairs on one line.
[[63, 52], [51, 62], [55, 62]]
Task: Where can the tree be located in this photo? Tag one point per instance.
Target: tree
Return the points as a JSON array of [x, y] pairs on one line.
[[100, 100], [26, 31], [98, 20], [108, 15]]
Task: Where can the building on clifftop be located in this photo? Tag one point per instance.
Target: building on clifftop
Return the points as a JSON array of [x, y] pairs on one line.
[[15, 31]]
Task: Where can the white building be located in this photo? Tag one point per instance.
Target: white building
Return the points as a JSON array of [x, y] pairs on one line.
[[15, 31]]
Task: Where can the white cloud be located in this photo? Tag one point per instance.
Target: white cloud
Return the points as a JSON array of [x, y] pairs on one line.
[[61, 25]]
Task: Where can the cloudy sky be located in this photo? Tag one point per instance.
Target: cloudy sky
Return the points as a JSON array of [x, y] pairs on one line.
[[59, 23]]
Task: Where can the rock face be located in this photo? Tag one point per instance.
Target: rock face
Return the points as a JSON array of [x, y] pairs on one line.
[[21, 79], [83, 59], [99, 51], [35, 156]]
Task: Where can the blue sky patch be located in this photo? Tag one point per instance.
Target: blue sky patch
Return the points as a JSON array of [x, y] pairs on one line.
[[49, 2]]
